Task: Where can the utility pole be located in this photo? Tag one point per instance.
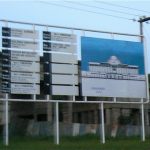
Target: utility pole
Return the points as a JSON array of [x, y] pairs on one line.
[[141, 20]]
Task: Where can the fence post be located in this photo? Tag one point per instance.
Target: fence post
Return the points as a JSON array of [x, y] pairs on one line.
[[102, 124], [142, 122], [6, 120], [56, 123]]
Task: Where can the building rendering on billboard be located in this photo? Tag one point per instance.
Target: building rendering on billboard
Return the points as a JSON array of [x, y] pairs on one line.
[[112, 68]]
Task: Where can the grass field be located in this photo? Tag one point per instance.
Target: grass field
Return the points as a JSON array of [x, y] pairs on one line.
[[88, 142]]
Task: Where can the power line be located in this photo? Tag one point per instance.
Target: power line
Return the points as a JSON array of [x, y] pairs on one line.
[[84, 10], [112, 10], [116, 5]]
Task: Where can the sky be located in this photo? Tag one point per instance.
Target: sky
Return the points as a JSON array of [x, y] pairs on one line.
[[103, 15]]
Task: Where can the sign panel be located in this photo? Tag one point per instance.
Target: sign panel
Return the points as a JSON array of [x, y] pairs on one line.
[[64, 69], [21, 55], [112, 68], [64, 90], [63, 37], [107, 87], [20, 33], [5, 87], [25, 66], [25, 88], [20, 44], [64, 79], [60, 58], [67, 48], [24, 77]]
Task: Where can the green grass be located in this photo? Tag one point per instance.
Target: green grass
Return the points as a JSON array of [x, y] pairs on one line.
[[88, 142]]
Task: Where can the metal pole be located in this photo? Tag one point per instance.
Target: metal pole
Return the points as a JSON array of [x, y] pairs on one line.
[[142, 38], [147, 84], [102, 124], [70, 101], [57, 123], [70, 28], [115, 99], [141, 31], [6, 127], [142, 122]]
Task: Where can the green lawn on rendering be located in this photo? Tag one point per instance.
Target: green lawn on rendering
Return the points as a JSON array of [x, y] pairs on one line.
[[88, 142]]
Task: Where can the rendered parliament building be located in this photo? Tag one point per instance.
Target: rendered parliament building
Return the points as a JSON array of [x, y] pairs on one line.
[[113, 69]]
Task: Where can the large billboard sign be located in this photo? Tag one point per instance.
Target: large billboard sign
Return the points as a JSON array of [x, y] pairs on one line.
[[112, 68]]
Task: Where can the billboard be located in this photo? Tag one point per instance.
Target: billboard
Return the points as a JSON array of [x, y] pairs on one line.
[[112, 68], [60, 64]]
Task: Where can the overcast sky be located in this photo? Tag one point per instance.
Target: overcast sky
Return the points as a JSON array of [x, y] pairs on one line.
[[101, 16]]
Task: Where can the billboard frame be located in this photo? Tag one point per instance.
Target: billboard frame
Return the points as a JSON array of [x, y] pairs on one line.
[[48, 99]]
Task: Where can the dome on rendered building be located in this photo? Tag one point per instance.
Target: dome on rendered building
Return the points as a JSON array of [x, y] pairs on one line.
[[113, 60]]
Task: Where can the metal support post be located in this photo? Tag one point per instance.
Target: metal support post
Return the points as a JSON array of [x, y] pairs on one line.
[[47, 97], [102, 124], [115, 99], [34, 97], [6, 120], [56, 123], [142, 122], [85, 98]]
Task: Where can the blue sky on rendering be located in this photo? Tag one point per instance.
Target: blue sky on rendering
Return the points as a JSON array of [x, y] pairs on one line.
[[100, 50]]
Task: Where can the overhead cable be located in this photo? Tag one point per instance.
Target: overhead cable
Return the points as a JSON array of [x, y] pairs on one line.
[[102, 8], [85, 10], [121, 6]]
